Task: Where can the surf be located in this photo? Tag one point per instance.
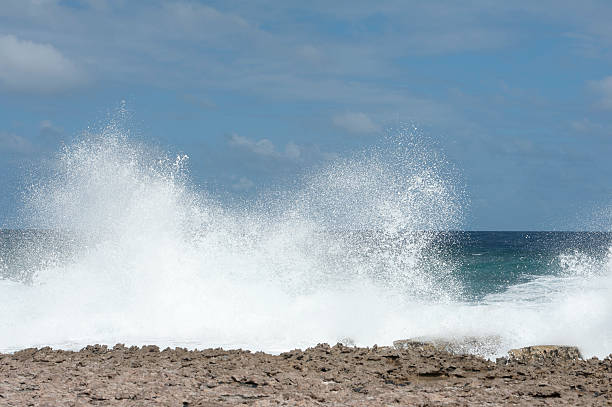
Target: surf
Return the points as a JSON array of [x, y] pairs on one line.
[[351, 253]]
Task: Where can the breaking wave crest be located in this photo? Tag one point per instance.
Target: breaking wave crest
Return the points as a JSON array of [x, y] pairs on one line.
[[152, 259], [135, 253]]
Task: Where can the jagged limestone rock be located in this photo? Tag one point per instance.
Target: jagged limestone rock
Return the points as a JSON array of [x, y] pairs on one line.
[[482, 346], [544, 352]]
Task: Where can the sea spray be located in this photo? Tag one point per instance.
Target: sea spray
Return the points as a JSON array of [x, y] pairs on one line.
[[153, 259], [133, 252]]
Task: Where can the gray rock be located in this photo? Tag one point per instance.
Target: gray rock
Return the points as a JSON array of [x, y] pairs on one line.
[[545, 352], [482, 346]]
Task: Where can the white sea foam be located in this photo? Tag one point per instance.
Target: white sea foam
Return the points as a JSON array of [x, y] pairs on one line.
[[574, 308], [348, 254]]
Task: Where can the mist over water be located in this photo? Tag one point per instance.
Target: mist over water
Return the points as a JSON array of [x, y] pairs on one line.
[[137, 254]]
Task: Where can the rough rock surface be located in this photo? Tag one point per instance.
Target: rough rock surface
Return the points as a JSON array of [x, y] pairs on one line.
[[322, 376], [482, 346], [534, 353]]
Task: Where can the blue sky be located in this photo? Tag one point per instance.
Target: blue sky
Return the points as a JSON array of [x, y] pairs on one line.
[[518, 95]]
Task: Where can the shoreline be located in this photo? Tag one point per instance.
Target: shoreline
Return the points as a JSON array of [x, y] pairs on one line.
[[409, 373]]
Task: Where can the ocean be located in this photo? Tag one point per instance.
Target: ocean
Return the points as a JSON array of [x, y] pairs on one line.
[[122, 247]]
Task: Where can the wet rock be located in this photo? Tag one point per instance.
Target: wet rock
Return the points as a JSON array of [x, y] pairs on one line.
[[545, 353], [482, 346], [347, 342], [95, 349], [414, 344]]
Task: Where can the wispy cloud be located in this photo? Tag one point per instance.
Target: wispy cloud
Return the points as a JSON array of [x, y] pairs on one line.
[[50, 134], [264, 147], [585, 125], [356, 123], [198, 101], [49, 130], [603, 90], [35, 67], [13, 143]]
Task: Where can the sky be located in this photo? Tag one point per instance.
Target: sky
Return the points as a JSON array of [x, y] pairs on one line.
[[517, 95]]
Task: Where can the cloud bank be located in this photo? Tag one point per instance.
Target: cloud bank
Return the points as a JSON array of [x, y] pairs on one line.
[[35, 67]]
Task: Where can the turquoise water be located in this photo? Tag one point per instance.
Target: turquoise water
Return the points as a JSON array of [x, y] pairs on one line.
[[491, 262]]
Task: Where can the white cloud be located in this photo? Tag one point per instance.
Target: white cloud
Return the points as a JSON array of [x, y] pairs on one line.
[[293, 151], [603, 88], [265, 147], [358, 123], [35, 67], [191, 21]]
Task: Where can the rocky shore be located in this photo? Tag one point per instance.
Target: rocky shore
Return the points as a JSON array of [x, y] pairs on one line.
[[410, 373]]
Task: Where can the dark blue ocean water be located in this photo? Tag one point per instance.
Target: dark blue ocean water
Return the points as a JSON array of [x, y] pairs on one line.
[[490, 262]]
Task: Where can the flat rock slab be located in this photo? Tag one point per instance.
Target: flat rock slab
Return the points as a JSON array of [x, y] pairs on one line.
[[322, 376], [476, 345], [545, 352]]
